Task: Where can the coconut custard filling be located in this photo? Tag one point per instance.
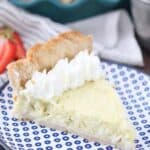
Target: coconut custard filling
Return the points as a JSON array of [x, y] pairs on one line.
[[63, 98]]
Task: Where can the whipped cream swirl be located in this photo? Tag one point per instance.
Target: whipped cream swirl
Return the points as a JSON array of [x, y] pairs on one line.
[[64, 76]]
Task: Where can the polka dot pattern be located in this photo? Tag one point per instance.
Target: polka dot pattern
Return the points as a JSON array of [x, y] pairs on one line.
[[132, 86]]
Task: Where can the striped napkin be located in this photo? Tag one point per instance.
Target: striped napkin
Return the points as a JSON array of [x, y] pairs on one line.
[[34, 29], [114, 37]]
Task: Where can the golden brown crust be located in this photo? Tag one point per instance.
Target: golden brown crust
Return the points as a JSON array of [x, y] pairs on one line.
[[46, 55], [67, 44], [20, 71]]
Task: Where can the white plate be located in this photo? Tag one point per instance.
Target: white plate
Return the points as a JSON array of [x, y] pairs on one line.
[[133, 88]]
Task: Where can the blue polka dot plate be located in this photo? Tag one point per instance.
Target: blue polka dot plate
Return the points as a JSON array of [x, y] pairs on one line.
[[133, 88]]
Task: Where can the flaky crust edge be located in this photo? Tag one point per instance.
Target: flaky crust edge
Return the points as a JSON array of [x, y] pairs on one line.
[[43, 56]]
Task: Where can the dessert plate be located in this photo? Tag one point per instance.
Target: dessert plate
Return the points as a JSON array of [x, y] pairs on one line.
[[132, 86]]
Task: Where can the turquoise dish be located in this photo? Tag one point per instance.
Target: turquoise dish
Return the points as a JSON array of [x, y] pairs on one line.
[[61, 12]]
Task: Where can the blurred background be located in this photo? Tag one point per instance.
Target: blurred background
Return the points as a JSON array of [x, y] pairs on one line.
[[70, 10], [121, 28]]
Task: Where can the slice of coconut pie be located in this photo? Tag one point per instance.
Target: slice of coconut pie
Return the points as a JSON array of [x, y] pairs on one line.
[[60, 84]]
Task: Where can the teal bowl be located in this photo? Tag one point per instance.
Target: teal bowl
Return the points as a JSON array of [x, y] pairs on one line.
[[64, 13]]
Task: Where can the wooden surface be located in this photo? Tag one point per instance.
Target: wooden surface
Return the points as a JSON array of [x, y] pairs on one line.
[[146, 68], [146, 56]]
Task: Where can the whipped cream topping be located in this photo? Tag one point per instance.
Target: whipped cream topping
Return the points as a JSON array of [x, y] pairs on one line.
[[64, 76]]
